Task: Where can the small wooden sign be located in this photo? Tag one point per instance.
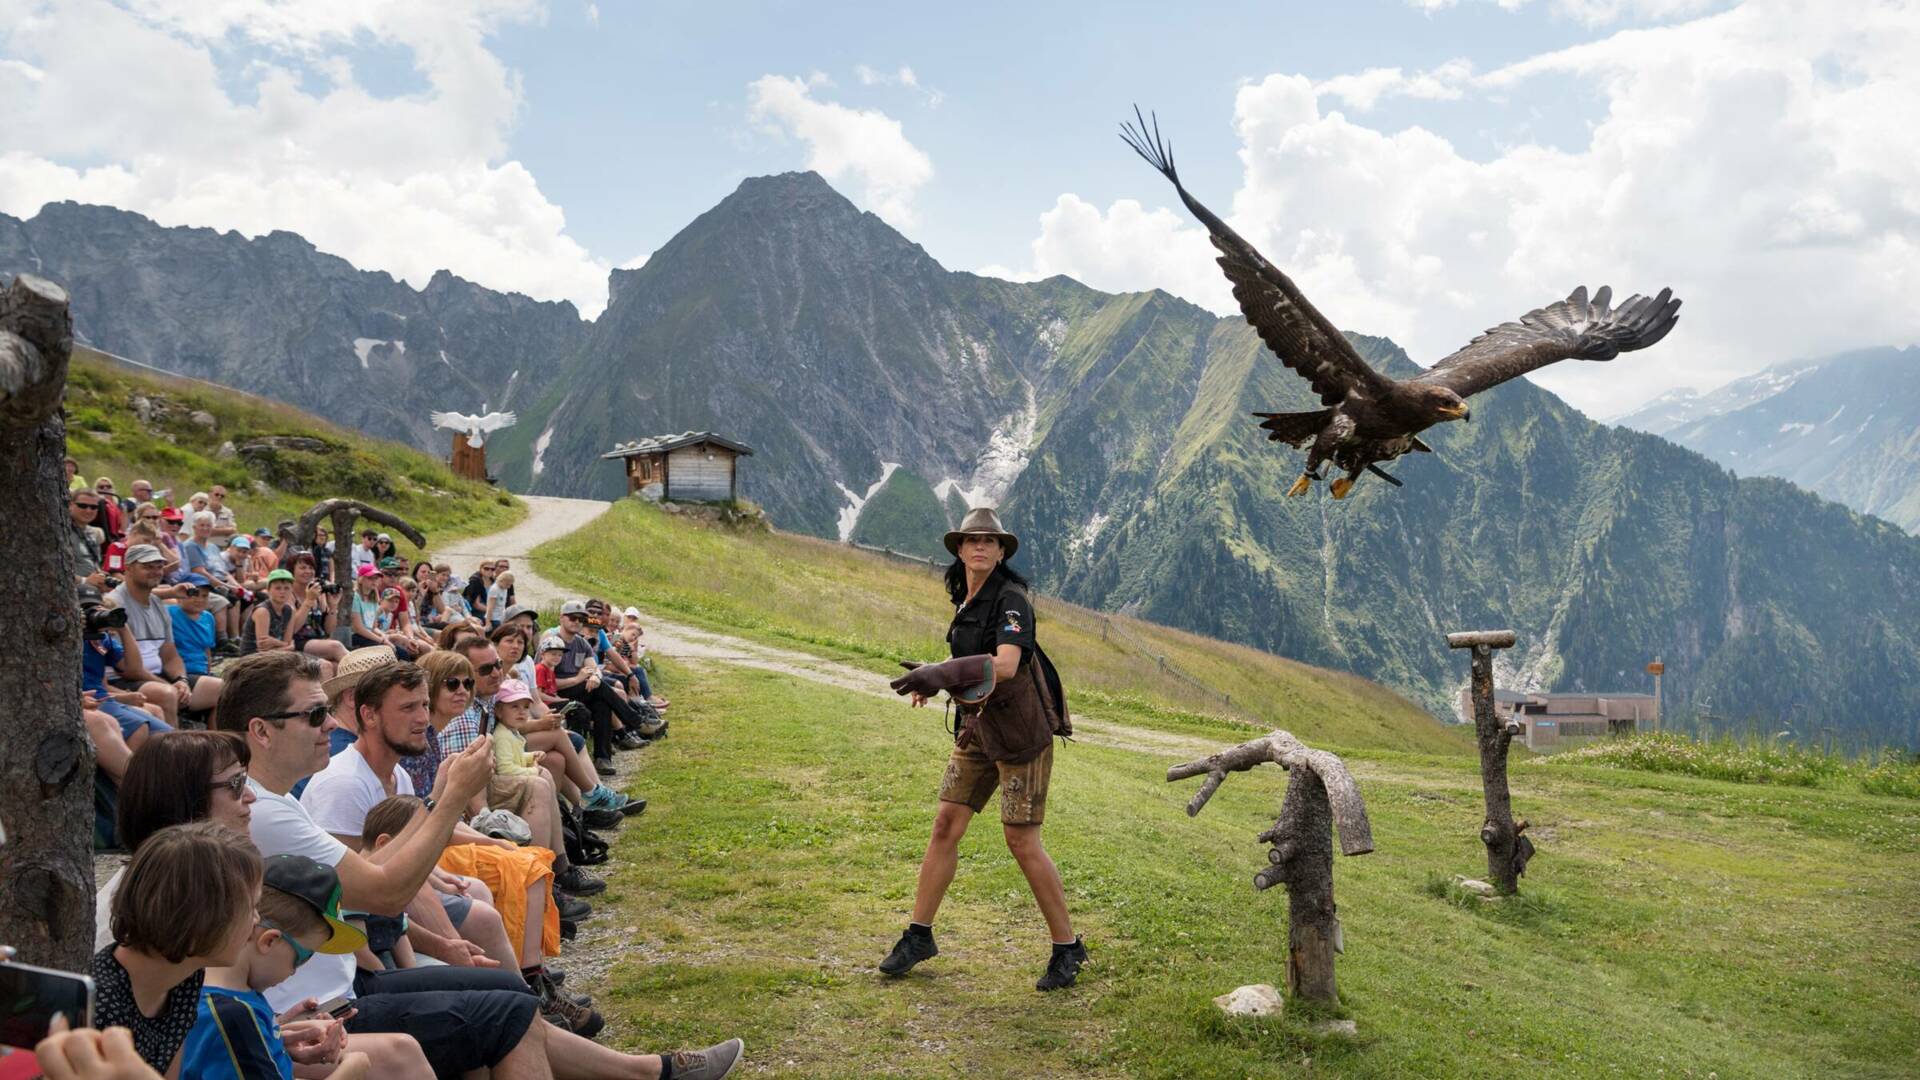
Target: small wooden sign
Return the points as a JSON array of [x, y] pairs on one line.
[[1656, 668]]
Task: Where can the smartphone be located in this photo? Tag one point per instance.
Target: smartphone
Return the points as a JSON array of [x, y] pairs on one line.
[[30, 996], [337, 1007]]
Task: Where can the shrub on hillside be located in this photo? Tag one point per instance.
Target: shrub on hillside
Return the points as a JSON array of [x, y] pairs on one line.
[[1756, 762]]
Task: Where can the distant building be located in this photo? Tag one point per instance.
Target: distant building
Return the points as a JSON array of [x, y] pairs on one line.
[[1557, 721], [693, 466]]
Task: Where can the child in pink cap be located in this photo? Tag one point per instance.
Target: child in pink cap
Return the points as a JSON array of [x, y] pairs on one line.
[[512, 712]]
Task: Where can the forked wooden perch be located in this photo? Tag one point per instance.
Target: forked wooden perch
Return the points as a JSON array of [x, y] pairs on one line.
[[1321, 797], [340, 515]]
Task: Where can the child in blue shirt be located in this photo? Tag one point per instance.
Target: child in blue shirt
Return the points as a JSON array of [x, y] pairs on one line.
[[193, 624], [236, 1035]]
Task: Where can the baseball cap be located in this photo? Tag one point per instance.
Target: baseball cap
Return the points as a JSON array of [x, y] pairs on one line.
[[317, 884], [242, 541], [574, 607], [384, 536], [631, 613], [263, 533], [144, 553], [390, 593], [173, 514], [198, 581], [279, 575], [518, 610], [392, 563], [512, 690], [552, 641], [366, 570], [89, 596]]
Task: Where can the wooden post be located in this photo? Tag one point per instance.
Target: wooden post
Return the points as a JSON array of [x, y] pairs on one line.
[[46, 775], [341, 515], [1507, 848], [1321, 798], [467, 459]]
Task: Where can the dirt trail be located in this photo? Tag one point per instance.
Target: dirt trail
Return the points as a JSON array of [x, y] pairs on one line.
[[551, 518]]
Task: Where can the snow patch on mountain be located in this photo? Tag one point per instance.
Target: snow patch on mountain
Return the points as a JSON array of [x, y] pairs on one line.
[[1083, 537], [1796, 427], [850, 514], [1006, 455], [540, 449]]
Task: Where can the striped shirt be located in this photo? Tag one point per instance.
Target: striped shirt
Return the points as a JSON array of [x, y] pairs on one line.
[[234, 1037]]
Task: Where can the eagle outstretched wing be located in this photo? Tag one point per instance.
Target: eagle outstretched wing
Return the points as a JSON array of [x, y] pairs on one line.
[[1298, 334], [1574, 328], [492, 421]]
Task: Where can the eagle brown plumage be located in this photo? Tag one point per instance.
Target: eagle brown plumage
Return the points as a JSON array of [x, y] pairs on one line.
[[1371, 418]]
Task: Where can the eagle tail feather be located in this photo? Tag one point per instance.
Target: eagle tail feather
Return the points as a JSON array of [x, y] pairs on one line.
[[1294, 429]]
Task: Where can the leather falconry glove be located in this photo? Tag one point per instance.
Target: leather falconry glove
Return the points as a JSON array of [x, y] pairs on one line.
[[968, 678]]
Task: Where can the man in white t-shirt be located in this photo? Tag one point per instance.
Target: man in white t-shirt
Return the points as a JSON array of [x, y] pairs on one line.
[[465, 1019]]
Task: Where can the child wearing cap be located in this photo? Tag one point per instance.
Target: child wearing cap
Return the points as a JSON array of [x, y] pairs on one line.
[[552, 650], [193, 631], [235, 1033], [512, 712]]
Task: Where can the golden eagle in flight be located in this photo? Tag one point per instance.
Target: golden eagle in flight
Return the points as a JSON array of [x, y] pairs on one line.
[[1371, 418]]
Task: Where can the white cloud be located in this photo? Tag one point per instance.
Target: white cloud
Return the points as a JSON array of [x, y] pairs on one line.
[[1758, 160], [863, 144], [1595, 12], [246, 115], [902, 76], [1364, 90], [593, 14]]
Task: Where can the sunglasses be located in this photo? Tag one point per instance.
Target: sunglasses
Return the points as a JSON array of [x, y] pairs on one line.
[[315, 717], [87, 506], [235, 785], [301, 954], [149, 517], [487, 669], [457, 684]]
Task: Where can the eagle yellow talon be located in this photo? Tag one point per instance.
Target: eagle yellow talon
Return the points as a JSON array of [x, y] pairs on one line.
[[1300, 486], [1341, 486]]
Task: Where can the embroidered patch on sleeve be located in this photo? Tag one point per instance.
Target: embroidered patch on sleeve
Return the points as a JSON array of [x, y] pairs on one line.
[[1013, 623]]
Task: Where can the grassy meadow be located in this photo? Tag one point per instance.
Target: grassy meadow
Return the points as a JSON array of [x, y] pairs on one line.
[[871, 611], [107, 436], [1670, 925]]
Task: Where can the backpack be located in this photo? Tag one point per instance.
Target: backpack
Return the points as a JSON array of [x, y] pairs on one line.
[[1053, 694]]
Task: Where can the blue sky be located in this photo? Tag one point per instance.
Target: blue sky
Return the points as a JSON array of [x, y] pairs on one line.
[[1423, 168]]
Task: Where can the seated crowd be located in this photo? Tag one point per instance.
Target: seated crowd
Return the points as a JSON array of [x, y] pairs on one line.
[[368, 861]]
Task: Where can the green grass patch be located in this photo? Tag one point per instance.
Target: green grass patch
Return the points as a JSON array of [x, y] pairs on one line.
[[107, 435], [834, 601], [1670, 925], [1750, 761]]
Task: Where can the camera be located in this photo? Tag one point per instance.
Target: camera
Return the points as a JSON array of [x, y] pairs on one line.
[[102, 619], [330, 588]]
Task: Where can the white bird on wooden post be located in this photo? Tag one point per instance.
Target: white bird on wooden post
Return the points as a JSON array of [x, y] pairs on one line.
[[476, 427]]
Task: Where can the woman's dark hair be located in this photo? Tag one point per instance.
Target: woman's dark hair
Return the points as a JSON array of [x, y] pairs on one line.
[[303, 558], [184, 890], [415, 573], [169, 781], [956, 579]]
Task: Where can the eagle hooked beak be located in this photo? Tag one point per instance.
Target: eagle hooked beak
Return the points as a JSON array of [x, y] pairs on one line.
[[1461, 412]]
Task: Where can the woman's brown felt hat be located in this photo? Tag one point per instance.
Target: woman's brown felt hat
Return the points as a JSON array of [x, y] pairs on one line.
[[982, 521]]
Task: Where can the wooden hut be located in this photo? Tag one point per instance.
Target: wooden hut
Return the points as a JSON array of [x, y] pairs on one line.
[[693, 466]]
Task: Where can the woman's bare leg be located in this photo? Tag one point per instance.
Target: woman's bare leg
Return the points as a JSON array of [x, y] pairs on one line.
[[943, 855]]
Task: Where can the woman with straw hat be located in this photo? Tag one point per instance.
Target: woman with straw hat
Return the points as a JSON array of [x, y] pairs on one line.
[[1004, 739]]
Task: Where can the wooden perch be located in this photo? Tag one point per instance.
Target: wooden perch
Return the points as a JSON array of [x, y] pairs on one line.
[[1507, 850], [341, 515], [1321, 797]]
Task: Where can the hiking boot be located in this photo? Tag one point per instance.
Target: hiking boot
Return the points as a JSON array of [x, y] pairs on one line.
[[603, 797], [712, 1063], [654, 729], [571, 908], [915, 945], [1064, 967], [569, 929], [633, 806], [558, 975], [564, 1012], [604, 766], [627, 740], [602, 819], [579, 882]]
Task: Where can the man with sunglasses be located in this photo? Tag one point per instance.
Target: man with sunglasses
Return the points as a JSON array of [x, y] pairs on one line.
[[83, 510], [152, 656]]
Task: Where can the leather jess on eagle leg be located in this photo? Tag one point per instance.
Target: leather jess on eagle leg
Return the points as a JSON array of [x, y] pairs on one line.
[[1321, 799]]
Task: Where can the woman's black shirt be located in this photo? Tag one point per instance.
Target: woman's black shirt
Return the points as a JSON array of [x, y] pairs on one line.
[[999, 614]]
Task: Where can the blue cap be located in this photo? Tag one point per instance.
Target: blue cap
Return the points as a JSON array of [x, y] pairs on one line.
[[197, 580]]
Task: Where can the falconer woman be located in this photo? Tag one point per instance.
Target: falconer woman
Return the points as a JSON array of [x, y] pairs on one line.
[[1007, 699]]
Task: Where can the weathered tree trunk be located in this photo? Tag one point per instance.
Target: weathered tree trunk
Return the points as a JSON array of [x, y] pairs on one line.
[[1321, 796], [468, 460], [341, 515], [1507, 849], [46, 772]]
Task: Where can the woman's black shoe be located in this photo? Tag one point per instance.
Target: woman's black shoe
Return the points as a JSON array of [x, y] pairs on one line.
[[568, 928], [914, 946], [1064, 967], [602, 819], [634, 806], [604, 766]]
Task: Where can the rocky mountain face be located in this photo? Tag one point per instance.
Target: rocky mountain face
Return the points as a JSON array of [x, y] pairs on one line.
[[1847, 427], [883, 393], [279, 318]]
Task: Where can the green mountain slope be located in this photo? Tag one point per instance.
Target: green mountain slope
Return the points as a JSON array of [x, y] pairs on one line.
[[904, 515], [824, 597], [131, 423]]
